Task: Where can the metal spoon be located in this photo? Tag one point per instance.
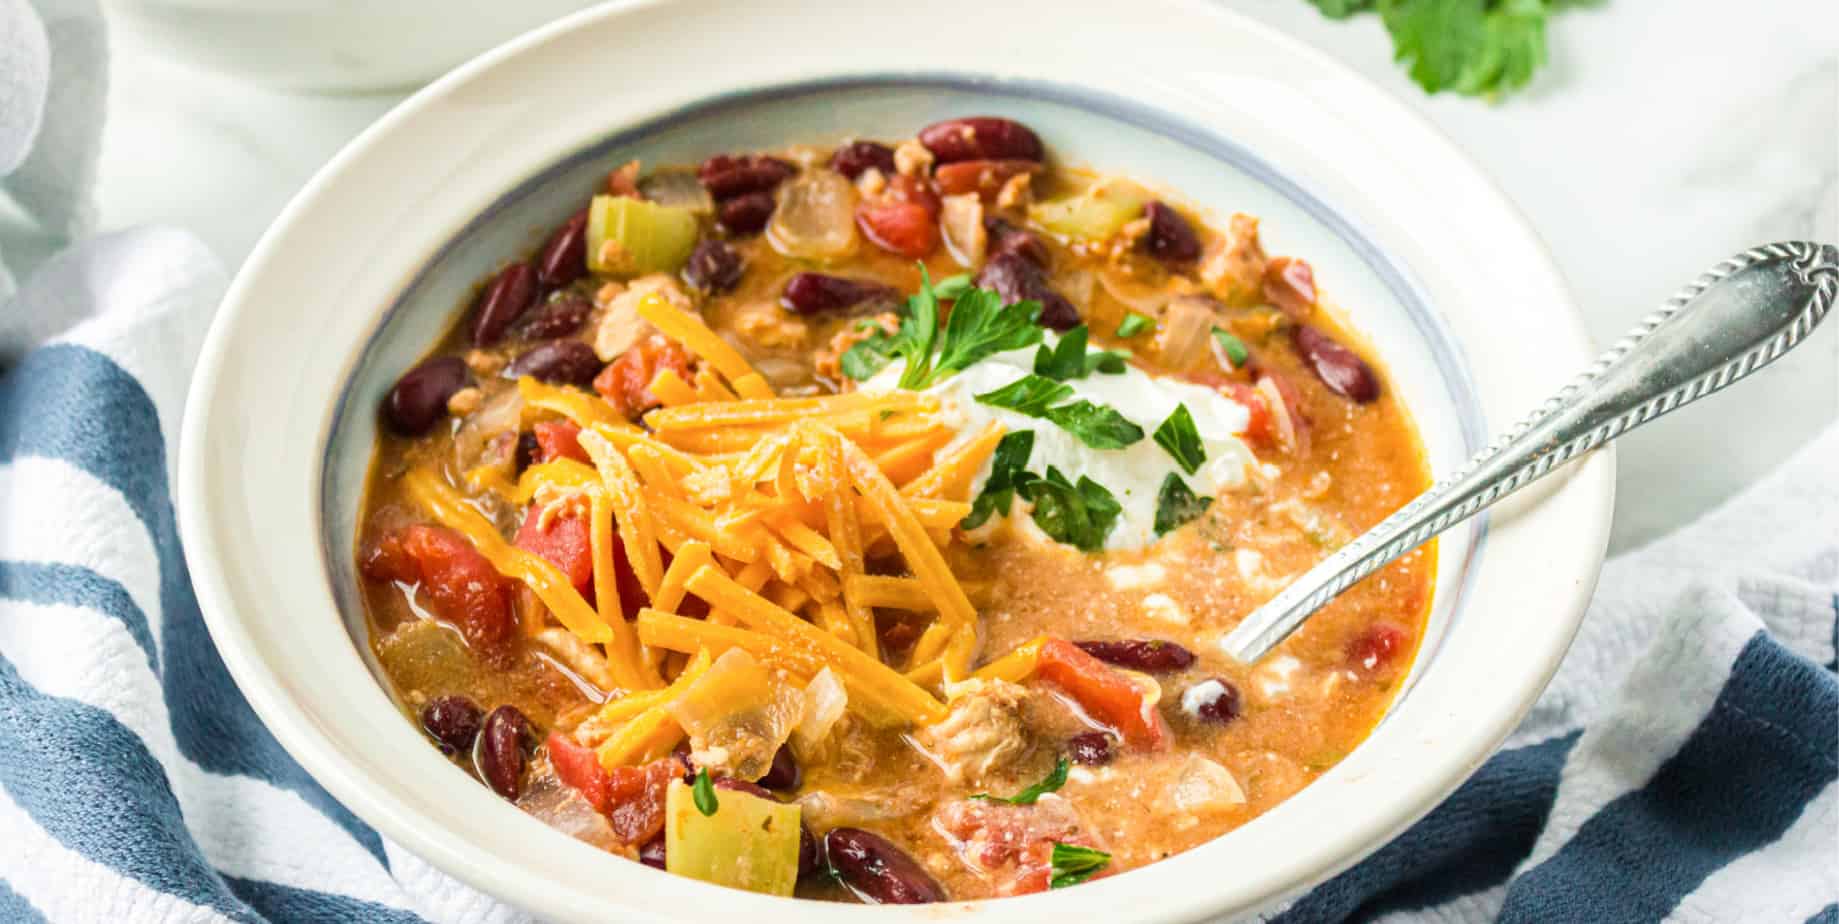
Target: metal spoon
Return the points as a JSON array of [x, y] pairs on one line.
[[1736, 318]]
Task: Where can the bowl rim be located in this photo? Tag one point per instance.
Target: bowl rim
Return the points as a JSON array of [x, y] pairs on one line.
[[296, 726]]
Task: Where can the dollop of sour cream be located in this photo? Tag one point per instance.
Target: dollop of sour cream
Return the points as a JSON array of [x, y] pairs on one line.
[[1134, 474]]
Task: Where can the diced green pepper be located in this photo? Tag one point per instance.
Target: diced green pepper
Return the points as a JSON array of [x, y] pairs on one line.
[[631, 237], [1094, 215], [748, 843]]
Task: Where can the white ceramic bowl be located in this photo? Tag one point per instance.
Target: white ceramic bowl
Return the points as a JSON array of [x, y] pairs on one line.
[[366, 265]]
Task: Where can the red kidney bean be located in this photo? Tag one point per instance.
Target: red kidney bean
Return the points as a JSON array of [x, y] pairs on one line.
[[1015, 278], [876, 871], [1289, 284], [501, 750], [1377, 646], [856, 157], [528, 451], [746, 214], [1094, 749], [816, 293], [1149, 655], [752, 789], [980, 138], [504, 300], [713, 267], [1212, 700], [564, 258], [453, 722], [652, 853], [1007, 238], [419, 398], [785, 774], [809, 860], [726, 176], [1340, 368], [558, 362], [682, 753], [561, 316], [1170, 237]]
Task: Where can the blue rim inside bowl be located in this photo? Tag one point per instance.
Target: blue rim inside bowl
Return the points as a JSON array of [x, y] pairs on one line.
[[751, 118]]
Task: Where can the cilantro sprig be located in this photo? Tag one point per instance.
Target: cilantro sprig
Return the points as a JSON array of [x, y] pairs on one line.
[[1475, 47], [1055, 779], [1072, 864], [980, 326], [1133, 324]]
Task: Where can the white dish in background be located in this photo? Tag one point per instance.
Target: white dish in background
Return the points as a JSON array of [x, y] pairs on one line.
[[367, 265]]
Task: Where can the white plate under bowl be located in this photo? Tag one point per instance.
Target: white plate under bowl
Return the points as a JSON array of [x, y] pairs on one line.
[[365, 267]]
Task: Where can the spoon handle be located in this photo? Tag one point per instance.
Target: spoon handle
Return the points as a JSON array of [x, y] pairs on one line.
[[1736, 318]]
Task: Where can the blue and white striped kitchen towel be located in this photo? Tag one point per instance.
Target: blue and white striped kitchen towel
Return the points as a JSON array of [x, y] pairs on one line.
[[1681, 767]]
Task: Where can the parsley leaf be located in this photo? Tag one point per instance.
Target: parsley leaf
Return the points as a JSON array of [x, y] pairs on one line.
[[1079, 515], [1030, 394], [1233, 347], [1068, 359], [1007, 475], [1177, 504], [919, 330], [1132, 325], [1072, 864], [1474, 47], [1179, 436], [703, 793], [867, 357], [1050, 783], [981, 327], [1095, 425]]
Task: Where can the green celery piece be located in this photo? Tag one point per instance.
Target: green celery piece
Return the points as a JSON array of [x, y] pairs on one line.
[[652, 238], [748, 843], [1094, 215]]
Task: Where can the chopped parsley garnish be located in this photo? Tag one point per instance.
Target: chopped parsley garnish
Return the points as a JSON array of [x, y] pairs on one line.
[[980, 326], [1233, 347], [1132, 325], [1177, 504], [1068, 358], [1007, 474], [1179, 436], [1095, 425], [1050, 783], [1073, 864], [703, 792], [1080, 515], [1030, 394]]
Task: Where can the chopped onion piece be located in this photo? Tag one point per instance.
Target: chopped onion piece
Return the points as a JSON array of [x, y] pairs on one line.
[[677, 187], [1186, 328], [1203, 785], [825, 702], [815, 219], [961, 224], [1141, 296]]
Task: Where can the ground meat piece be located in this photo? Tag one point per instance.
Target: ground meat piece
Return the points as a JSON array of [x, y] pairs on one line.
[[1233, 265], [768, 326], [621, 327], [983, 733]]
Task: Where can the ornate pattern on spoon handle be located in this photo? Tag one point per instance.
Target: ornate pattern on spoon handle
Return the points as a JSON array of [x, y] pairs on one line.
[[1736, 318]]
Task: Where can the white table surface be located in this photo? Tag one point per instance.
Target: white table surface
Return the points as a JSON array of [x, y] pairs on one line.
[[1659, 139]]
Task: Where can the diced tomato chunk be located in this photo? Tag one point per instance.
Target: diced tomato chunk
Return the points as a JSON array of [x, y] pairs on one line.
[[904, 220], [635, 799], [1289, 284], [1104, 693], [1011, 846], [564, 541], [579, 766], [626, 381], [1258, 427], [458, 585], [986, 178], [1374, 649], [558, 439]]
